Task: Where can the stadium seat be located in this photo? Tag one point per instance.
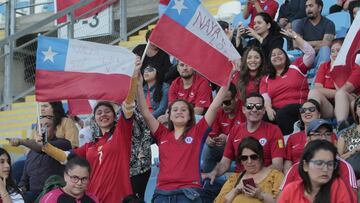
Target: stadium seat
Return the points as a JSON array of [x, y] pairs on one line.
[[341, 21], [228, 10], [326, 9]]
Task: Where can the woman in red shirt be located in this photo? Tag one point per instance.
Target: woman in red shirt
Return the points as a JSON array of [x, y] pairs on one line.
[[324, 90], [286, 86], [320, 181]]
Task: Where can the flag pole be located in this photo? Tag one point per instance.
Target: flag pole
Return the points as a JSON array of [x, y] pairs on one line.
[[144, 54], [38, 117]]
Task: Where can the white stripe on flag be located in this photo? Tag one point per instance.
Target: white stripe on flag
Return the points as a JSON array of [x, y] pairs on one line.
[[89, 57], [204, 25]]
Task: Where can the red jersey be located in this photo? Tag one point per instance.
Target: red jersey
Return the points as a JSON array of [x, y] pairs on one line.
[[323, 76], [223, 123], [109, 159], [199, 94], [291, 88], [250, 87], [269, 6], [269, 136], [339, 193], [345, 169], [354, 78], [295, 146], [180, 159]]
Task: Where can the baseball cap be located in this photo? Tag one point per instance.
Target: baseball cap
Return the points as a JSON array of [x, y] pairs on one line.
[[316, 124]]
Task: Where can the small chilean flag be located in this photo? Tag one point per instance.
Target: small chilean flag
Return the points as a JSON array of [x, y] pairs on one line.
[[191, 34], [74, 69]]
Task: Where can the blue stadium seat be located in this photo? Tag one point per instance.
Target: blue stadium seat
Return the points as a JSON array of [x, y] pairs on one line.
[[341, 21], [327, 4]]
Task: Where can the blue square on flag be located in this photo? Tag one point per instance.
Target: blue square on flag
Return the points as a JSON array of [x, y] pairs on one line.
[[182, 11], [51, 53]]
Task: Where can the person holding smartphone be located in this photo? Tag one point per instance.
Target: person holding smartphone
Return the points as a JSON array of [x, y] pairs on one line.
[[256, 183]]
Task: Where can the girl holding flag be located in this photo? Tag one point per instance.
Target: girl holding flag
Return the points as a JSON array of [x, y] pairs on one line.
[[109, 153], [180, 146]]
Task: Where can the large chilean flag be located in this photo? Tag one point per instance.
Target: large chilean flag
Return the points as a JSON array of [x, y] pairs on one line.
[[74, 69], [190, 33]]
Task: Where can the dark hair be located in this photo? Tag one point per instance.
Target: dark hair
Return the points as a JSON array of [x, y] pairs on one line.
[[159, 80], [254, 145], [272, 70], [309, 152], [147, 35], [59, 112], [233, 90], [317, 106], [133, 199], [274, 27], [244, 76], [320, 3], [353, 5], [255, 94], [11, 186], [77, 161], [224, 25], [356, 117], [191, 121], [105, 103]]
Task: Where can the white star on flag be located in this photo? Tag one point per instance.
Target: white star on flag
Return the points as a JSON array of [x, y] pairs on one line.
[[49, 55], [179, 6]]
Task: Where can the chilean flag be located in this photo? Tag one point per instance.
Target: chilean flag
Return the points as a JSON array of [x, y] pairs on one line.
[[63, 4], [74, 69], [191, 34], [345, 62]]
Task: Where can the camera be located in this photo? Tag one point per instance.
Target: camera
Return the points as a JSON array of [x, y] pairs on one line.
[[44, 133]]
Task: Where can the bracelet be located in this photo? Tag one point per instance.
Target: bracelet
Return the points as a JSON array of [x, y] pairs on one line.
[[5, 194]]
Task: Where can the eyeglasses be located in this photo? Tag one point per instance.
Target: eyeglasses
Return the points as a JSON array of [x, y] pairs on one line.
[[227, 102], [250, 106], [303, 110], [149, 69], [318, 134], [75, 179], [319, 164], [252, 157], [47, 116]]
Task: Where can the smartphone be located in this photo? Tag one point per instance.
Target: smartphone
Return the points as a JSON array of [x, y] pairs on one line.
[[249, 181], [44, 133]]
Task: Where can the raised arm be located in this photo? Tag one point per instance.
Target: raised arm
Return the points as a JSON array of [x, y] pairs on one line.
[[129, 103], [216, 103], [144, 109]]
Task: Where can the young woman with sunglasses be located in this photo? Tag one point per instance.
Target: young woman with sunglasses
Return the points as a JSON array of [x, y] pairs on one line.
[[324, 89], [286, 86], [320, 181], [155, 90], [65, 127], [77, 177], [180, 147], [256, 183], [309, 111], [9, 191]]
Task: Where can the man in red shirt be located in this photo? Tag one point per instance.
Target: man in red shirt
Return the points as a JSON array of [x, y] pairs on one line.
[[269, 136], [322, 129], [228, 116], [252, 7], [192, 87]]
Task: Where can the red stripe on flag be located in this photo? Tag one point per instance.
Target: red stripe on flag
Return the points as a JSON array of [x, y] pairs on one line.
[[63, 4], [79, 107], [60, 85], [190, 49]]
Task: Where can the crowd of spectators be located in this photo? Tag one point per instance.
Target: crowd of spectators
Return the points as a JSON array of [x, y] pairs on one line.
[[281, 130]]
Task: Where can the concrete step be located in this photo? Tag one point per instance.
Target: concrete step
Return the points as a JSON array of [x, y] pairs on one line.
[[16, 126], [23, 105], [137, 38], [27, 111], [18, 119], [14, 133], [30, 98]]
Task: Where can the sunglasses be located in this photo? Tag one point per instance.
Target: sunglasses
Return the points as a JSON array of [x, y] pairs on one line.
[[310, 109], [227, 102], [46, 116], [250, 106], [149, 69], [252, 157]]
